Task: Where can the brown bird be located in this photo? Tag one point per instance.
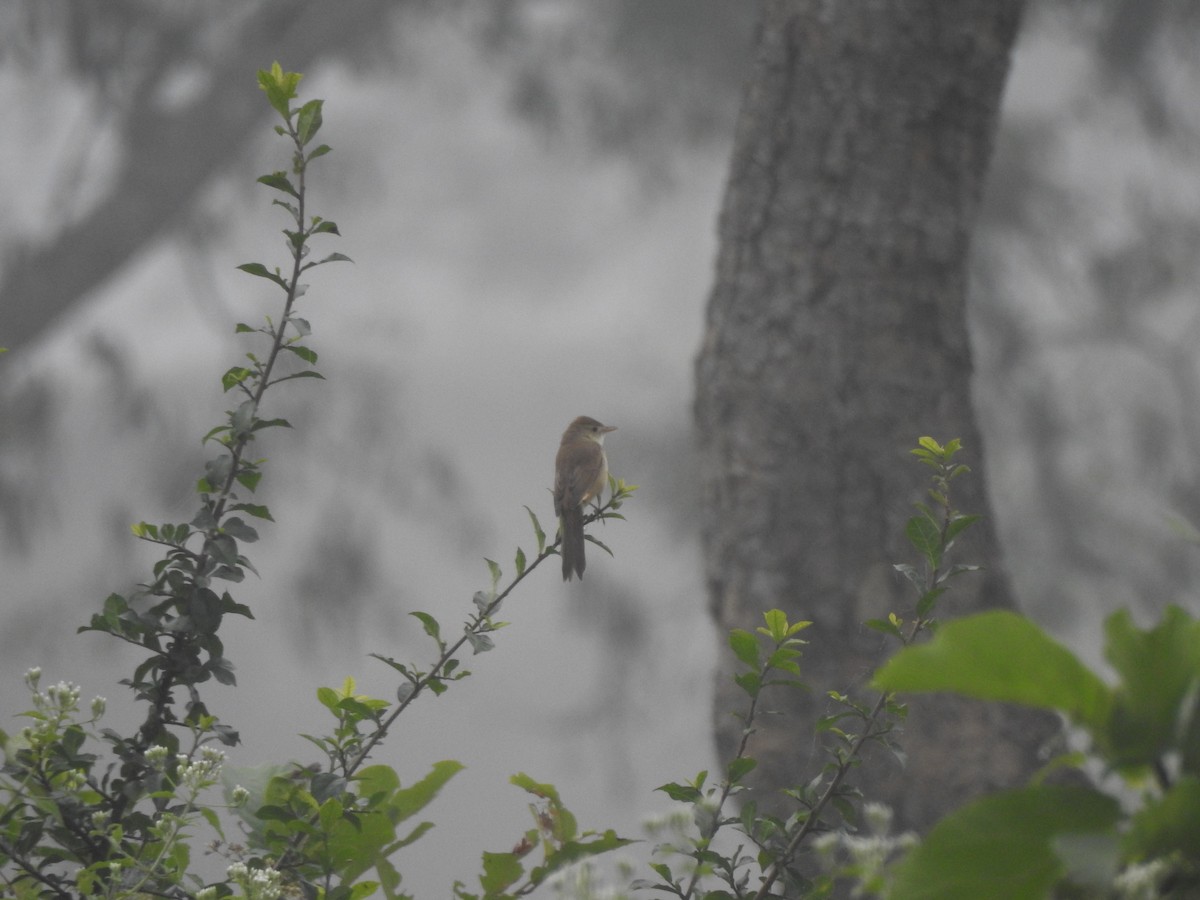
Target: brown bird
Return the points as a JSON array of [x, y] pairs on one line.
[[580, 474]]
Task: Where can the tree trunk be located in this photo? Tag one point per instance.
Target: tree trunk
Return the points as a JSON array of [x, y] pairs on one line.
[[836, 335]]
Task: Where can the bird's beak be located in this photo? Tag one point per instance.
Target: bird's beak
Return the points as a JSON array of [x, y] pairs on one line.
[[607, 428]]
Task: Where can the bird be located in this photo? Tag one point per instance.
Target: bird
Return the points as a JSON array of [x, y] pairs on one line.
[[580, 474]]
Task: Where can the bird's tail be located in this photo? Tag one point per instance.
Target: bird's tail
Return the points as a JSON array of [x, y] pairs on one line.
[[573, 561]]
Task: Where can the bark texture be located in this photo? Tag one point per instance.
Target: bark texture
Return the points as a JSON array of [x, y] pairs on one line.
[[836, 335]]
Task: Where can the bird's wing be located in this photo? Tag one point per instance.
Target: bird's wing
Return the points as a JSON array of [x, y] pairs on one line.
[[576, 470]]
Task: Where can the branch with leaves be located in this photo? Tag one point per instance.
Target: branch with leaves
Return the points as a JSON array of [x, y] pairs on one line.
[[772, 659], [363, 723], [176, 615], [124, 827]]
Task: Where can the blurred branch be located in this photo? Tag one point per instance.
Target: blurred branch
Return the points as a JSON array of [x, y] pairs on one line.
[[152, 185]]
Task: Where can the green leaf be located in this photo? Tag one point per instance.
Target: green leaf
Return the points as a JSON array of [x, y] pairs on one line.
[[328, 698], [223, 549], [430, 624], [309, 356], [572, 851], [784, 659], [777, 624], [216, 471], [745, 647], [204, 520], [332, 257], [220, 429], [241, 418], [363, 840], [1001, 656], [927, 601], [538, 532], [886, 626], [263, 272], [255, 509], [926, 537], [958, 525], [279, 86], [519, 562], [232, 379], [236, 528], [408, 801], [749, 682], [599, 543], [1158, 668], [260, 424], [1168, 825], [910, 572], [957, 569], [684, 793], [930, 445], [544, 790], [222, 670], [308, 123], [1000, 847], [249, 479], [480, 643], [500, 870], [304, 373], [740, 768], [295, 213], [280, 182]]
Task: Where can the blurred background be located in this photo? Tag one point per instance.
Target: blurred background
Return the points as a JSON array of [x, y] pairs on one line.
[[529, 190]]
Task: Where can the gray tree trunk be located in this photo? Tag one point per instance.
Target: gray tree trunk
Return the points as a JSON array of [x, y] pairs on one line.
[[836, 335]]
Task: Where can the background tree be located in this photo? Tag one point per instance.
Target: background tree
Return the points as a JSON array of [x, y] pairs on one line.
[[837, 326], [168, 86]]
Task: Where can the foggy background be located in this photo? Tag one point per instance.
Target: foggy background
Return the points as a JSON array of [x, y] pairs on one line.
[[529, 191]]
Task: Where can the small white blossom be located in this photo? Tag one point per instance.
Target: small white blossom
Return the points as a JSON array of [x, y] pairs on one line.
[[204, 771], [63, 695], [826, 846], [1140, 882], [878, 817], [259, 884]]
